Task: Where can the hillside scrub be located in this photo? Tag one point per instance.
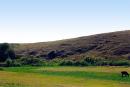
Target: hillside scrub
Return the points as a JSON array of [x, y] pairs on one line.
[[31, 61], [112, 45], [87, 61], [95, 62], [83, 61]]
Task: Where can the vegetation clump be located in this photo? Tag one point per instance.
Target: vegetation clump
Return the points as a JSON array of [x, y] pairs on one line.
[[6, 52], [31, 61]]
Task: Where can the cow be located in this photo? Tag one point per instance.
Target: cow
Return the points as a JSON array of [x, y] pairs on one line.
[[125, 74]]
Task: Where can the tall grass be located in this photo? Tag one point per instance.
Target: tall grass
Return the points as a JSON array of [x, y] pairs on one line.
[[64, 76], [114, 76]]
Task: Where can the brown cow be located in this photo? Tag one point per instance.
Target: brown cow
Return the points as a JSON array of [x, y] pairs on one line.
[[125, 74]]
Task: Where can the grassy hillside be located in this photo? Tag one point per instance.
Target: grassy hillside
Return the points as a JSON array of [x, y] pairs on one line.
[[107, 45]]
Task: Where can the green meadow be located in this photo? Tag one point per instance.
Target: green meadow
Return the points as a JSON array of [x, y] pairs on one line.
[[57, 76]]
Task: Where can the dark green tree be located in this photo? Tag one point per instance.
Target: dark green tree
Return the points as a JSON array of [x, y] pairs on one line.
[[6, 52]]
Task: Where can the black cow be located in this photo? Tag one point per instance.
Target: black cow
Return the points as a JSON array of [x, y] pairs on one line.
[[125, 74]]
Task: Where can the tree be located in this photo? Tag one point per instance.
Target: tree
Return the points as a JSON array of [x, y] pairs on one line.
[[6, 52], [8, 62]]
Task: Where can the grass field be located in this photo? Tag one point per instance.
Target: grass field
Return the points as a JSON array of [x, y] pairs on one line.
[[64, 77]]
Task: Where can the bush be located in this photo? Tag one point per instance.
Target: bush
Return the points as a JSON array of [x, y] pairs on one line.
[[84, 63], [120, 63], [31, 61], [67, 63], [102, 63], [1, 69], [16, 63], [74, 63], [95, 62], [9, 63], [91, 61]]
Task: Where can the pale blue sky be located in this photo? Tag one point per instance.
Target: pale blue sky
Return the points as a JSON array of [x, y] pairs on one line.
[[48, 20]]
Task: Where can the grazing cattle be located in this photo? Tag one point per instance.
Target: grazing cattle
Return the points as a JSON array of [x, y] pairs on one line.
[[125, 74]]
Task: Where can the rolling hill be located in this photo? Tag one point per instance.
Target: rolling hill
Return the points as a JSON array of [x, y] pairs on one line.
[[106, 45]]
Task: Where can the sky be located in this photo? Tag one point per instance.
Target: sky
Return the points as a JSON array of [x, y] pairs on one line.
[[28, 21]]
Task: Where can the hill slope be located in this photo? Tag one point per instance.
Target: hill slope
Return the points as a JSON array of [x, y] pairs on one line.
[[108, 45]]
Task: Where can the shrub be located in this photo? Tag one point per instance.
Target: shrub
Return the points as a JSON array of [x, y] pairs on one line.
[[51, 55], [67, 63], [74, 63], [1, 69], [84, 63], [9, 63], [120, 63], [102, 63], [90, 61], [16, 63], [31, 61]]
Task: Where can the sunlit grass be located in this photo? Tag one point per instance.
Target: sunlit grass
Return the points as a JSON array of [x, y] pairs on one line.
[[63, 77], [111, 69]]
